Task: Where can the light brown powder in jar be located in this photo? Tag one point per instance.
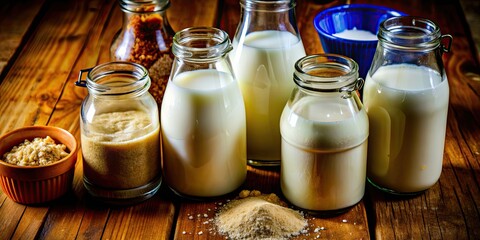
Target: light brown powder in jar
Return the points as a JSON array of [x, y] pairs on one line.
[[121, 151], [259, 216]]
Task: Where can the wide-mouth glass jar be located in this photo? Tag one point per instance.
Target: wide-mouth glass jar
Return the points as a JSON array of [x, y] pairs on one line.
[[120, 134], [406, 96], [324, 129]]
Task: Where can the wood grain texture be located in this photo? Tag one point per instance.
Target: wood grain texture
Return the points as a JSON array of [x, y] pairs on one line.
[[58, 38], [10, 213], [184, 13], [16, 20]]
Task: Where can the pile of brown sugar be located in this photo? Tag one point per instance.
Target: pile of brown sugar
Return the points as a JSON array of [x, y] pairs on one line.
[[259, 216]]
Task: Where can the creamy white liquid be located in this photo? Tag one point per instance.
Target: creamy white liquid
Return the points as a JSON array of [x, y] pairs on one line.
[[204, 134], [264, 64], [324, 152], [407, 107], [355, 34]]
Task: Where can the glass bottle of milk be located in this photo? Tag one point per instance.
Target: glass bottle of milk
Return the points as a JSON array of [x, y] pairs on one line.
[[203, 117], [266, 46], [406, 96], [324, 129]]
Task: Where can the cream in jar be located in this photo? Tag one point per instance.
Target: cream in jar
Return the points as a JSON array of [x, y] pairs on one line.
[[324, 131], [406, 97], [407, 106], [324, 152]]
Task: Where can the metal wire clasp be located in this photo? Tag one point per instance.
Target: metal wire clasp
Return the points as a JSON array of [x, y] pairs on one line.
[[354, 86], [448, 45], [359, 83], [80, 82]]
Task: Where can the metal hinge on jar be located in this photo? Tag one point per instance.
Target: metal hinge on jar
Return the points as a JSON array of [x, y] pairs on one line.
[[80, 82]]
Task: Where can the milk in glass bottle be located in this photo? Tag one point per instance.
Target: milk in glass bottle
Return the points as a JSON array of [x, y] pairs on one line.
[[266, 46], [203, 117], [324, 129], [406, 97]]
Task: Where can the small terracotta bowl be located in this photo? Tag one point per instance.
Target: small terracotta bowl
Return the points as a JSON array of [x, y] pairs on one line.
[[37, 184]]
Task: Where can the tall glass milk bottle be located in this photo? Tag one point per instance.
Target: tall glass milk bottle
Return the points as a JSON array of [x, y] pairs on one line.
[[406, 97], [266, 46], [203, 117], [324, 129]]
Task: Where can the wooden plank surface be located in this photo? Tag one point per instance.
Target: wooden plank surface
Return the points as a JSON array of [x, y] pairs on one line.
[[71, 36], [58, 38], [15, 22]]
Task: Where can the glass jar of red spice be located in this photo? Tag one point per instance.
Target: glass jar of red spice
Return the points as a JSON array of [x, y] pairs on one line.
[[146, 38]]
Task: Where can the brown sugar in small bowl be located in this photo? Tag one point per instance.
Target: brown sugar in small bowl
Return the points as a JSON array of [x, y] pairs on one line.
[[37, 184]]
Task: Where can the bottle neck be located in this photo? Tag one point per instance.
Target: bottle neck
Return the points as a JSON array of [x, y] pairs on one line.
[[268, 15], [327, 73], [268, 6], [112, 79], [151, 14], [144, 6], [410, 40], [409, 34], [201, 44]]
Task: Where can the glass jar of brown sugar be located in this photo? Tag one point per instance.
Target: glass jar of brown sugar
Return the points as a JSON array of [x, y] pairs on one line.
[[146, 38]]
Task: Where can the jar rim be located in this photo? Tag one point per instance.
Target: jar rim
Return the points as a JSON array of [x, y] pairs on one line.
[[144, 6], [201, 43], [118, 78], [327, 73], [410, 32]]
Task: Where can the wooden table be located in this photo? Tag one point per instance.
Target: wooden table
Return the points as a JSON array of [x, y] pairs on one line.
[[44, 44]]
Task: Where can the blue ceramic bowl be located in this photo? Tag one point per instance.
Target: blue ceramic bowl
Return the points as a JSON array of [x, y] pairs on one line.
[[348, 17]]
